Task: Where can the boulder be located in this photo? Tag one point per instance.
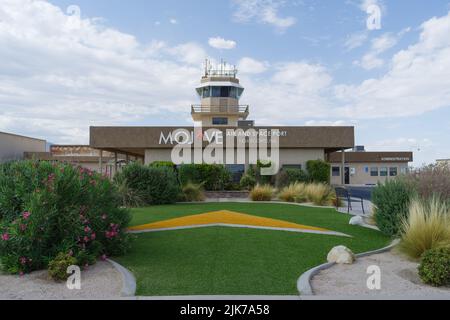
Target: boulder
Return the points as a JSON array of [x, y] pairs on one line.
[[357, 221], [341, 255]]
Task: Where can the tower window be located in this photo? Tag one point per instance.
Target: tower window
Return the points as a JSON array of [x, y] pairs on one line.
[[220, 121]]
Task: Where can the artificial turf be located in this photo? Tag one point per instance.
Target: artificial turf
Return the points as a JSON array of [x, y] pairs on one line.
[[234, 261]]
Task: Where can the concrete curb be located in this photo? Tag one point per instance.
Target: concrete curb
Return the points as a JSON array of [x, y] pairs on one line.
[[228, 225], [304, 282], [128, 280], [226, 200], [219, 298]]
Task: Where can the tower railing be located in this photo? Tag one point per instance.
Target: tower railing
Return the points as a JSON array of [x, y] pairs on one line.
[[220, 109]]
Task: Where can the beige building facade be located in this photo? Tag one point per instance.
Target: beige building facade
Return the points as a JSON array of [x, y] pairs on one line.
[[368, 168], [12, 146]]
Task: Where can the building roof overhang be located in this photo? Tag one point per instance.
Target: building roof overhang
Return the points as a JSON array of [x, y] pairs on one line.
[[135, 140]]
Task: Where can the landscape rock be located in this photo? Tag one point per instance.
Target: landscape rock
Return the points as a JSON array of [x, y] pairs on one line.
[[341, 255], [357, 221]]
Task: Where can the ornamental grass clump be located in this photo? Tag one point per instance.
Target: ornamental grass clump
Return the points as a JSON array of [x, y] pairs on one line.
[[193, 192], [426, 227], [50, 209], [320, 194], [262, 193], [295, 192]]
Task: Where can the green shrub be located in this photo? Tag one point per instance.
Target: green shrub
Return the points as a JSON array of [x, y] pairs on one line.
[[165, 164], [426, 227], [193, 192], [262, 193], [57, 208], [289, 176], [247, 182], [434, 268], [318, 171], [156, 185], [391, 201], [213, 177], [129, 197], [57, 268]]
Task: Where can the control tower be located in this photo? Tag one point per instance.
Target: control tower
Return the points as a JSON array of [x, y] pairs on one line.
[[219, 92]]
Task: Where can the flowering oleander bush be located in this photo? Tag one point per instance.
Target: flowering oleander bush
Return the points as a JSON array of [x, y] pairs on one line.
[[48, 209]]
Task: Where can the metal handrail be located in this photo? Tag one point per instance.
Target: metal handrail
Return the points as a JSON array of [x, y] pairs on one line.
[[220, 109]]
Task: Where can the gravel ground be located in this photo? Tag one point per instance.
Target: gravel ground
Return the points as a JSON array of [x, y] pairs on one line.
[[99, 282], [399, 279]]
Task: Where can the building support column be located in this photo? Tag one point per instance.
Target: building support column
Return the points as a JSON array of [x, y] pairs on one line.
[[343, 167], [100, 162], [115, 163]]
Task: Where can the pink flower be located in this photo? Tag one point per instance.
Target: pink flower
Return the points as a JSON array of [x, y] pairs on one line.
[[104, 216], [5, 237], [86, 239], [104, 257], [26, 215], [23, 260], [23, 227], [93, 236], [21, 273], [87, 229]]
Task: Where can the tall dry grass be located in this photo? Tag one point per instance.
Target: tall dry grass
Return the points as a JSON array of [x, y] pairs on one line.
[[262, 193], [295, 192], [320, 194], [426, 227]]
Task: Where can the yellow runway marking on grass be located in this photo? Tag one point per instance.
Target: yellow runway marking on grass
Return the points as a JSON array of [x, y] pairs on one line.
[[229, 219]]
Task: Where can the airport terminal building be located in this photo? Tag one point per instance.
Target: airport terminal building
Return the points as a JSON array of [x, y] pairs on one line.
[[219, 108]]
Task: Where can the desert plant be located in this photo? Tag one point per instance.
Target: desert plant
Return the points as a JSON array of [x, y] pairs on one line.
[[320, 194], [431, 181], [262, 193], [57, 268], [193, 192], [434, 268], [318, 171], [247, 182], [391, 201], [296, 192], [426, 227]]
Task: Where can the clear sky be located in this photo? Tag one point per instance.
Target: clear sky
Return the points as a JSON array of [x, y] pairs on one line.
[[68, 64]]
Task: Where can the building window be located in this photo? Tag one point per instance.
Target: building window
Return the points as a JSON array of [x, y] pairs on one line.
[[374, 172], [215, 92], [404, 170], [383, 172], [206, 92], [393, 172], [220, 121], [336, 171]]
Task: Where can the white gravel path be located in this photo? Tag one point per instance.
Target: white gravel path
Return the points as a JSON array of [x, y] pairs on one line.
[[399, 279], [99, 282]]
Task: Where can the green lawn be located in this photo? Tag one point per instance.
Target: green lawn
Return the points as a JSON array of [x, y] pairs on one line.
[[235, 261]]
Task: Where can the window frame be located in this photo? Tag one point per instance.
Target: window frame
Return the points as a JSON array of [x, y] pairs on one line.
[[372, 172]]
